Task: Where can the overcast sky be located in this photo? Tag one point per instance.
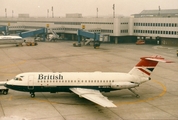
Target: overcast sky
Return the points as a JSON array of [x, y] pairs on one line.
[[85, 7]]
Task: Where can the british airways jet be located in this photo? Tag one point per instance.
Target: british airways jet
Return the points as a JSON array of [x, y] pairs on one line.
[[88, 85]]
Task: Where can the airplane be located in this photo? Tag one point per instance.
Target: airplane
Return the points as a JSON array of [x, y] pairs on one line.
[[88, 85], [11, 40]]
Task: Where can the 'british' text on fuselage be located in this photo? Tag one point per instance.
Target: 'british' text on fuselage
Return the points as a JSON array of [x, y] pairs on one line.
[[50, 77]]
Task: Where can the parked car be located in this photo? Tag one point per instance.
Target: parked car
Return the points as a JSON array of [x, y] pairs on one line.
[[140, 42]]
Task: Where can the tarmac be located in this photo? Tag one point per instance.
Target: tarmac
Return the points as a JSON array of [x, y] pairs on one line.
[[158, 97]]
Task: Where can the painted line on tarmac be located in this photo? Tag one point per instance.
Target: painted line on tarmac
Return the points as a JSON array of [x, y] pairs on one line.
[[164, 89], [9, 66], [14, 64], [8, 74]]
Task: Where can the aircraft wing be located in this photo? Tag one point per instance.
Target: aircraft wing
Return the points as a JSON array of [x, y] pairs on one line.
[[94, 96]]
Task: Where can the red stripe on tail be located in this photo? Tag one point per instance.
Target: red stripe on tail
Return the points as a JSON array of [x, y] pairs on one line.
[[147, 63], [144, 71]]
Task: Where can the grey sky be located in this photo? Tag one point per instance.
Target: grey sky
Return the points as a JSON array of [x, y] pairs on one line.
[[86, 7]]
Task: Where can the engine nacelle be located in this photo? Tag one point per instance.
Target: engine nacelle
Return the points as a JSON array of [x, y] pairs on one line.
[[123, 85]]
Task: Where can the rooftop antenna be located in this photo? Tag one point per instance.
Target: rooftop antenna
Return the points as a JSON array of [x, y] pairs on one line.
[[159, 11], [5, 12], [47, 13], [113, 10], [52, 11], [97, 12]]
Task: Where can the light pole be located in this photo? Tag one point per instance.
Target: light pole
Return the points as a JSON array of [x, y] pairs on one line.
[[97, 12], [5, 12], [52, 11], [159, 11], [12, 13], [113, 10], [47, 13]]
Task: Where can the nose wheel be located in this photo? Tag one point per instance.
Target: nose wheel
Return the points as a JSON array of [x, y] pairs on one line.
[[32, 94]]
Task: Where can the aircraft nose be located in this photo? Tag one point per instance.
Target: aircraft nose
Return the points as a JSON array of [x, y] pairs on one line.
[[5, 84]]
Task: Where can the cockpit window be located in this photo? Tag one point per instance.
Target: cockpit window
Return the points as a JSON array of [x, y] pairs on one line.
[[18, 78]]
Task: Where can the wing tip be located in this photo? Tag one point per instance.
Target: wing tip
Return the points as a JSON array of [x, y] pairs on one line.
[[111, 106]]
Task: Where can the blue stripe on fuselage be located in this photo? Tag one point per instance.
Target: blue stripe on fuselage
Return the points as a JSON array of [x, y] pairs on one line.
[[55, 88]]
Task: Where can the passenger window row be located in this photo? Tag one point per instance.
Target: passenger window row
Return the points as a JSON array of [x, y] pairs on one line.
[[74, 81]]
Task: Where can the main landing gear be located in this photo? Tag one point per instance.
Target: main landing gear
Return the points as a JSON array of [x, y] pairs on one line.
[[134, 93], [32, 94]]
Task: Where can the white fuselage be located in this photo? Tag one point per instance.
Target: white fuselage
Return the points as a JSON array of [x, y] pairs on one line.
[[56, 82], [11, 40]]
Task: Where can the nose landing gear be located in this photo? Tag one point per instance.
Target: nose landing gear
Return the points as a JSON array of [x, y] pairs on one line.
[[32, 94]]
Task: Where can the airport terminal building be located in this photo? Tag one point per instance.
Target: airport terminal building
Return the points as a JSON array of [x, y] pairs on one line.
[[153, 26]]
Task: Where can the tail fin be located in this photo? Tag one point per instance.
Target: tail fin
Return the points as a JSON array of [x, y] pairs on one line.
[[146, 66]]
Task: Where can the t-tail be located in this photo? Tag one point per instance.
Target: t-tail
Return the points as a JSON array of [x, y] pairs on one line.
[[146, 66]]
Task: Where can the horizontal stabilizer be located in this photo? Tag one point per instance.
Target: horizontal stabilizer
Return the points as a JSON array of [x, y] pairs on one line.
[[158, 59]]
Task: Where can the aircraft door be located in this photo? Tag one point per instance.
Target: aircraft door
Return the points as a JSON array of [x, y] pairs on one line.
[[31, 82]]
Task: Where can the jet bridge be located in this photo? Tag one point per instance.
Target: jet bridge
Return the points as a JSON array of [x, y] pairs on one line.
[[31, 33], [54, 36], [86, 34], [4, 29]]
